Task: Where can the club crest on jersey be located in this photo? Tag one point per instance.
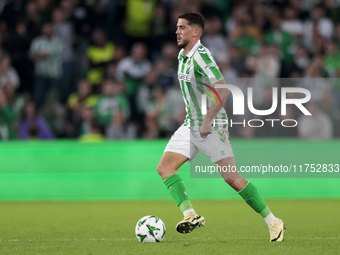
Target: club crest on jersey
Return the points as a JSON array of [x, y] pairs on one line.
[[184, 77]]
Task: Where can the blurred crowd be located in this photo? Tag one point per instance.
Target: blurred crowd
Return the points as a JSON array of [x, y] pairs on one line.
[[107, 69]]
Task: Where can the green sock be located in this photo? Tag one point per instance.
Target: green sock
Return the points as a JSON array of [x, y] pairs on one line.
[[253, 198], [265, 212], [176, 187]]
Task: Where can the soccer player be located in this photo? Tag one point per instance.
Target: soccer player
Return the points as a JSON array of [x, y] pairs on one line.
[[197, 65]]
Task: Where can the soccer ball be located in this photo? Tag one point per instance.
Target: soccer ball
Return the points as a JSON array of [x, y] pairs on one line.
[[150, 229]]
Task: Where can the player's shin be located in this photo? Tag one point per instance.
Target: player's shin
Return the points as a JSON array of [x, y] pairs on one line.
[[253, 198], [176, 188]]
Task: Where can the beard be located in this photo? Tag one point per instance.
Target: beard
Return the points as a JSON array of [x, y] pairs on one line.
[[183, 44]]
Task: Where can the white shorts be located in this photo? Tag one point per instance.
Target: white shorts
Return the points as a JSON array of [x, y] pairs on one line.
[[189, 142]]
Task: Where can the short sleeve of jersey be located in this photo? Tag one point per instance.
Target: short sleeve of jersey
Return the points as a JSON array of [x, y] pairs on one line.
[[206, 66]]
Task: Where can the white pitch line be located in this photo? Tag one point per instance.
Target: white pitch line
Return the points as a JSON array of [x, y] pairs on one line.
[[129, 239]]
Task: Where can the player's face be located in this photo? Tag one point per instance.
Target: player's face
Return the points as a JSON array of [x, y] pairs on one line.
[[184, 33]]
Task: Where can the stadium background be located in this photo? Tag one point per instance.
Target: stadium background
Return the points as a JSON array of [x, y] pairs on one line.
[[85, 117], [86, 114], [110, 74]]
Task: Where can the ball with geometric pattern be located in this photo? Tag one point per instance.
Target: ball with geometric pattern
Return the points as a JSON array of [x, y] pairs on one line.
[[150, 229]]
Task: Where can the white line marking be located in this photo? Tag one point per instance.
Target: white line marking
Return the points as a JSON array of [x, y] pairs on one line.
[[129, 239]]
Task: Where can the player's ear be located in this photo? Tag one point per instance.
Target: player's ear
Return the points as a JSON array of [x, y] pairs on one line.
[[200, 31], [197, 32]]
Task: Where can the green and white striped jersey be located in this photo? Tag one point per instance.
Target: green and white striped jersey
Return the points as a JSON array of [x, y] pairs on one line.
[[198, 67]]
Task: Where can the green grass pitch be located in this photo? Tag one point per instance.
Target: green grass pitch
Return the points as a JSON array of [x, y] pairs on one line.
[[108, 228]]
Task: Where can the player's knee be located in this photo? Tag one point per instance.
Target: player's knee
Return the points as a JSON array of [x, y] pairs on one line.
[[164, 171], [161, 170]]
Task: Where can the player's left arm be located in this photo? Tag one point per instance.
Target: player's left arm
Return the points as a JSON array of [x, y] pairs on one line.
[[206, 128], [205, 65]]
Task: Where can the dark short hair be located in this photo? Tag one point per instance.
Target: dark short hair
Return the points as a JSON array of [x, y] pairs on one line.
[[193, 18]]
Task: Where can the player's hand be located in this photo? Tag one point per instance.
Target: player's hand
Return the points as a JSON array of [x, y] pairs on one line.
[[205, 128]]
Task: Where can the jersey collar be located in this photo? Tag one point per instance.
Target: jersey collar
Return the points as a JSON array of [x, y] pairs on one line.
[[192, 51]]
